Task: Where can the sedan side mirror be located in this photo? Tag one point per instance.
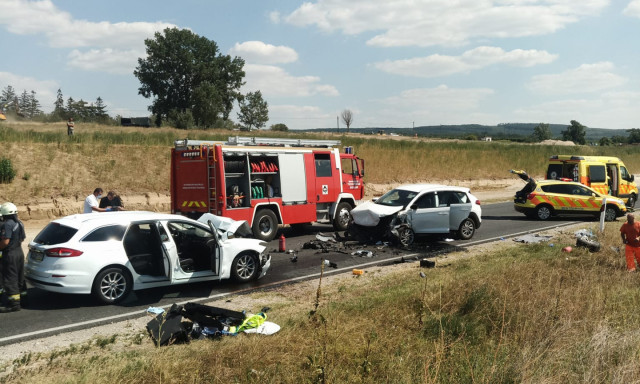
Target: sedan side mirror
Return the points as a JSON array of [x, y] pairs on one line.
[[631, 178], [414, 207]]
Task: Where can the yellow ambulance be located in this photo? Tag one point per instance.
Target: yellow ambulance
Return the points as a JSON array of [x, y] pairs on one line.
[[606, 175]]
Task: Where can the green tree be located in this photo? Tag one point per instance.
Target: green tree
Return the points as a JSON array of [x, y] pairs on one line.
[[542, 132], [208, 105], [575, 132], [58, 105], [279, 127], [254, 111], [604, 141], [8, 95], [634, 135], [180, 64]]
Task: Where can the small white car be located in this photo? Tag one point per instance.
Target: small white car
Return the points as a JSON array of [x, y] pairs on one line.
[[110, 254], [420, 209]]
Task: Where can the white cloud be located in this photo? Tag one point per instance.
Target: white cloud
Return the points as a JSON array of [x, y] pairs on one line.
[[105, 60], [632, 9], [274, 81], [442, 22], [63, 31], [441, 65], [584, 79], [274, 17], [425, 106], [257, 52], [610, 110], [45, 89]]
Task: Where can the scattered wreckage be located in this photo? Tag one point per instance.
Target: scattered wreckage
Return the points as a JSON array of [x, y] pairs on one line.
[[402, 213]]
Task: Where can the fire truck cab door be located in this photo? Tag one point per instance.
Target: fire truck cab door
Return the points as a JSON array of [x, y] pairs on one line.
[[326, 174]]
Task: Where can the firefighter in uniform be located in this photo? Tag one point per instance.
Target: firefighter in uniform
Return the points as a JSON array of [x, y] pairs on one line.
[[12, 235]]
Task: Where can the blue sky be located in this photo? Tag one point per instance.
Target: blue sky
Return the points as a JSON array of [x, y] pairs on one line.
[[393, 63]]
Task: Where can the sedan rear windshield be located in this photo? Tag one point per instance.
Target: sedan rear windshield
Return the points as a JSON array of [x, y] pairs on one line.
[[396, 197], [55, 233]]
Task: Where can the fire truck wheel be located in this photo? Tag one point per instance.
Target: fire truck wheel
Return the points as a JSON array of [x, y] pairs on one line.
[[244, 268], [265, 225], [343, 216]]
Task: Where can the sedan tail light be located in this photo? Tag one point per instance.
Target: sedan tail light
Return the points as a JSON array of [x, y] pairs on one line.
[[62, 252], [477, 202]]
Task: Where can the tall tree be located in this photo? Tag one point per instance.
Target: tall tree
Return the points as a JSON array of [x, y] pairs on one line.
[[180, 62], [347, 118], [254, 111], [208, 105], [634, 135], [575, 132], [58, 105], [542, 132], [8, 95]]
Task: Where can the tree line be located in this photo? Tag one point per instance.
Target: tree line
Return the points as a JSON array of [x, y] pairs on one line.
[[576, 132]]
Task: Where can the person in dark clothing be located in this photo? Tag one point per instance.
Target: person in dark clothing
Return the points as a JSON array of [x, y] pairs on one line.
[[112, 201], [12, 235]]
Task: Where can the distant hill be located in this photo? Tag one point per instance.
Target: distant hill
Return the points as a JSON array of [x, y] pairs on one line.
[[518, 131]]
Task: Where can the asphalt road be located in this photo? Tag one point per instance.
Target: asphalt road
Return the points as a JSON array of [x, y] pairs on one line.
[[51, 313]]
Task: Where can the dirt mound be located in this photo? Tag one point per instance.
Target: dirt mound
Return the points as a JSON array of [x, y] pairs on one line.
[[58, 207], [557, 142]]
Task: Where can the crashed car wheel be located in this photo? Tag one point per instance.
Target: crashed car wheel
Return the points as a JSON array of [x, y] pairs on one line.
[[112, 285], [342, 217], [265, 225], [610, 213], [406, 236], [467, 229], [543, 212], [244, 268]]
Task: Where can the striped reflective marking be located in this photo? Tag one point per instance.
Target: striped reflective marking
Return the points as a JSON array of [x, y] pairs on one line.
[[197, 204], [562, 202]]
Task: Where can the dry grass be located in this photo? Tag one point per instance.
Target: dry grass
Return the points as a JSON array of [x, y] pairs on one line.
[[521, 313]]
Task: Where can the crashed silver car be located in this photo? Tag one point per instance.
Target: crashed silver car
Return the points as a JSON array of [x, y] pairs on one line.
[[417, 209]]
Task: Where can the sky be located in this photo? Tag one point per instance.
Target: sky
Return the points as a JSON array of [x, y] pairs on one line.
[[392, 63]]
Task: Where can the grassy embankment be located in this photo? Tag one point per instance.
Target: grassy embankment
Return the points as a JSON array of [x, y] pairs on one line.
[[136, 160], [517, 313]]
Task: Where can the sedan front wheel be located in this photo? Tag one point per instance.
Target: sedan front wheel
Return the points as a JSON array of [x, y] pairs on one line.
[[245, 268]]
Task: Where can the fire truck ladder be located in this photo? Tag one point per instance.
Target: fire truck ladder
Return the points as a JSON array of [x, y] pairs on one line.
[[211, 157], [240, 140], [257, 141]]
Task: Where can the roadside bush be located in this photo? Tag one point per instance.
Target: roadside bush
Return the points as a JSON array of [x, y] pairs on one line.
[[7, 173]]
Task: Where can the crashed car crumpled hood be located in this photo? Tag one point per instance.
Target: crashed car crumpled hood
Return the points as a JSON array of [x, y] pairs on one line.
[[225, 224], [369, 213]]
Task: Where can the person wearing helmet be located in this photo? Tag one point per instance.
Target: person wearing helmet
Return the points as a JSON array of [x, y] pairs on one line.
[[70, 126], [12, 235]]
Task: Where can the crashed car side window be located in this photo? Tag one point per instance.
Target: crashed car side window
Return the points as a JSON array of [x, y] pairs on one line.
[[428, 200], [462, 198], [111, 232]]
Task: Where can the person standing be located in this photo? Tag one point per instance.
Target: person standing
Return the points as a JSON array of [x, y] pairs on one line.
[[70, 127], [629, 232], [111, 202], [91, 202], [12, 235]]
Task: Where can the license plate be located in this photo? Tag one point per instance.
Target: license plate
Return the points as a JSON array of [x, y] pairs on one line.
[[36, 256]]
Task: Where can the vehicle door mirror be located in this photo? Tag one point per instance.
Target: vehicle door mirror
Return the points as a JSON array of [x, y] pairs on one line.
[[593, 195], [414, 207], [631, 178]]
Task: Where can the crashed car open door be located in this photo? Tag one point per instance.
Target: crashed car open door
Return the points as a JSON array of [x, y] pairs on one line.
[[197, 251], [427, 217]]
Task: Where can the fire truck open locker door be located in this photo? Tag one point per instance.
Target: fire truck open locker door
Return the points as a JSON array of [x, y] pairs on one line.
[[293, 178], [188, 185]]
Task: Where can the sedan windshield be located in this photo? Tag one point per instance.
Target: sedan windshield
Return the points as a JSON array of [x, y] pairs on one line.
[[396, 198]]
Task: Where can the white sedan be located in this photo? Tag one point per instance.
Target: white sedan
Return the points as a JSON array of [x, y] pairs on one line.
[[110, 254]]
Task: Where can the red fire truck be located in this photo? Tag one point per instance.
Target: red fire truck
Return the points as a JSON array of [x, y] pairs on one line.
[[266, 181]]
